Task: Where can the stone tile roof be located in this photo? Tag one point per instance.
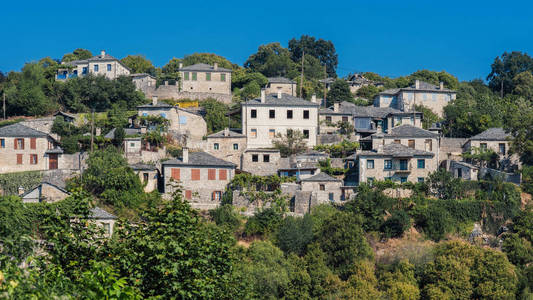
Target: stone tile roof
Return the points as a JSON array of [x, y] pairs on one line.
[[396, 150], [127, 131], [65, 114], [48, 183], [373, 112], [285, 100], [98, 213], [139, 166], [19, 130], [222, 134], [410, 131], [204, 68], [273, 150], [464, 164], [491, 134], [422, 86], [320, 177], [157, 106], [141, 75], [280, 80], [200, 159]]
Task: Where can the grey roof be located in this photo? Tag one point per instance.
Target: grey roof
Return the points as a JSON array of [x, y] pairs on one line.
[[65, 114], [261, 150], [373, 112], [158, 105], [464, 164], [200, 159], [285, 100], [128, 131], [98, 213], [141, 75], [422, 86], [57, 150], [231, 134], [280, 80], [45, 182], [410, 131], [396, 150], [140, 166], [19, 130], [491, 134], [204, 68], [321, 177]]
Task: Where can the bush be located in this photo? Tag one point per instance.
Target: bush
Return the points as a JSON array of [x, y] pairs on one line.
[[226, 216], [396, 225], [295, 234], [435, 221], [263, 222]]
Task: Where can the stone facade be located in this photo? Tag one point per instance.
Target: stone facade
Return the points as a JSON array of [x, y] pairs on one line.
[[100, 65], [284, 85], [325, 188], [149, 176], [261, 162], [464, 170], [227, 145], [497, 140], [203, 78], [168, 91], [409, 136], [45, 192], [143, 81]]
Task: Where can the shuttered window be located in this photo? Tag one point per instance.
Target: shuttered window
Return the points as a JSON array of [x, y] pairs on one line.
[[195, 174], [211, 174], [33, 159], [19, 159], [33, 143], [188, 194], [175, 173], [223, 175]]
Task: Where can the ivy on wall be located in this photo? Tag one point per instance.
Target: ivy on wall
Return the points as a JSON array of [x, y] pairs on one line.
[[10, 183]]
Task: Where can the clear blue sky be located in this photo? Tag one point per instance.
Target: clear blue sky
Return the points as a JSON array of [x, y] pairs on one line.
[[388, 37]]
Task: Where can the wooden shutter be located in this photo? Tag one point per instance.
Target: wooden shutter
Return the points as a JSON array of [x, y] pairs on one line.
[[195, 174], [188, 194], [222, 175], [22, 140], [211, 174], [15, 146], [19, 159], [175, 173], [33, 143]]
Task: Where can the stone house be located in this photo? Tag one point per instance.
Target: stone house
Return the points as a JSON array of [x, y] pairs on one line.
[[464, 170], [409, 136], [148, 174], [45, 192], [102, 218], [202, 178], [103, 65], [326, 188], [204, 78], [497, 140], [143, 81], [421, 93], [26, 149], [261, 162], [355, 81], [285, 85], [264, 117], [395, 162], [227, 145], [339, 112], [301, 170]]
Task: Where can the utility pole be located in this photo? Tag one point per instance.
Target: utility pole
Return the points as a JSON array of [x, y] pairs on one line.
[[302, 77], [325, 85], [4, 107], [501, 88], [92, 132]]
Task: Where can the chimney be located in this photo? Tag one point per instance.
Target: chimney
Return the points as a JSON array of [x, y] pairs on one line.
[[417, 84], [380, 148], [336, 106], [279, 92], [263, 96], [226, 131], [143, 129], [166, 82], [181, 65], [215, 66], [185, 155], [21, 190], [98, 131], [313, 98], [154, 100], [441, 85], [102, 53]]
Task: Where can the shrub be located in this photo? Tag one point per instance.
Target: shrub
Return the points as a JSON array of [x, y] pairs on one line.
[[263, 222], [434, 221], [295, 234], [226, 216], [396, 224]]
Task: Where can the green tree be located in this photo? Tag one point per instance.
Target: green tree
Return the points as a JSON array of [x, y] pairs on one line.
[[207, 58], [435, 78], [339, 91], [295, 234], [272, 60], [321, 49], [368, 92], [429, 116], [293, 142], [172, 67], [505, 68], [396, 224], [399, 283], [138, 64], [250, 91], [519, 123], [523, 85], [77, 54], [215, 115]]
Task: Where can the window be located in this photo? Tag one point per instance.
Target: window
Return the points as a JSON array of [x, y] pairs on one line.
[[501, 148], [271, 114], [420, 179], [132, 145], [222, 175], [411, 144], [107, 228], [211, 174], [194, 76], [289, 114], [96, 68], [306, 133], [345, 119], [253, 133], [253, 113], [255, 157], [108, 67], [429, 145], [421, 163], [271, 133], [483, 146], [397, 141], [370, 164], [460, 173], [195, 174], [403, 179], [2, 143], [33, 159], [175, 174], [164, 115], [235, 146], [146, 176], [207, 76], [222, 77], [84, 70], [322, 187], [216, 146], [266, 158], [388, 164], [19, 159], [183, 119], [19, 144], [403, 164], [186, 75], [331, 196], [328, 119], [217, 195], [188, 194], [370, 180], [306, 114], [434, 97]]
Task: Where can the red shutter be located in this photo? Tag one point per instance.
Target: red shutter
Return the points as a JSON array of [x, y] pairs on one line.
[[175, 173], [19, 159], [195, 174], [213, 196], [15, 144], [33, 143], [188, 194], [222, 175], [211, 174], [22, 144]]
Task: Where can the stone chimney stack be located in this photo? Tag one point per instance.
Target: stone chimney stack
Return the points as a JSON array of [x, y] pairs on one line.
[[441, 85], [143, 129], [185, 155], [417, 84], [226, 131], [336, 106], [279, 92], [263, 96], [154, 100], [215, 66], [102, 53], [181, 65], [21, 190], [98, 131], [313, 98]]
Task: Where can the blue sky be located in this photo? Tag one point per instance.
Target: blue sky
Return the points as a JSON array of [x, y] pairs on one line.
[[391, 38]]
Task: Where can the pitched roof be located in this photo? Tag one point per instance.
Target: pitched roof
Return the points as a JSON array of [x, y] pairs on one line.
[[204, 68], [321, 177], [138, 167], [410, 131], [141, 75], [230, 134], [396, 150], [98, 213], [373, 112], [158, 105], [491, 134], [285, 100], [422, 86], [127, 131], [19, 130], [200, 159], [40, 184], [280, 80]]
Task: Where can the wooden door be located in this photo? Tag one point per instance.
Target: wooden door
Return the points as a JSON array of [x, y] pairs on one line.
[[52, 162]]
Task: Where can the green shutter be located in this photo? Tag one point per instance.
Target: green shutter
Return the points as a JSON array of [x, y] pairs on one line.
[[222, 77], [186, 75], [208, 76], [194, 76]]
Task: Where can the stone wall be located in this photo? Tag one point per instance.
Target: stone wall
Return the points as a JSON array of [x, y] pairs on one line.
[[260, 167], [173, 92]]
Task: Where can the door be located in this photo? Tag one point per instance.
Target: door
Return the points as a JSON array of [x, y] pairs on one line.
[[52, 159]]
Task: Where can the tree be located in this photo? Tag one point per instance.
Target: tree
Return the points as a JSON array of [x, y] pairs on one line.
[[430, 117], [172, 67], [293, 142], [242, 77], [435, 78], [523, 85], [207, 58], [77, 54], [519, 122], [399, 282], [339, 91], [138, 64], [505, 68], [368, 92], [272, 60], [444, 186], [215, 115], [295, 234], [396, 224], [251, 91], [321, 49]]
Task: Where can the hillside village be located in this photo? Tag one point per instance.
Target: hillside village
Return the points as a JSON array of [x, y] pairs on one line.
[[259, 150]]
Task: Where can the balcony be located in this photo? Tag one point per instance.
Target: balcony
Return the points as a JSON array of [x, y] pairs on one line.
[[400, 168], [61, 76]]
